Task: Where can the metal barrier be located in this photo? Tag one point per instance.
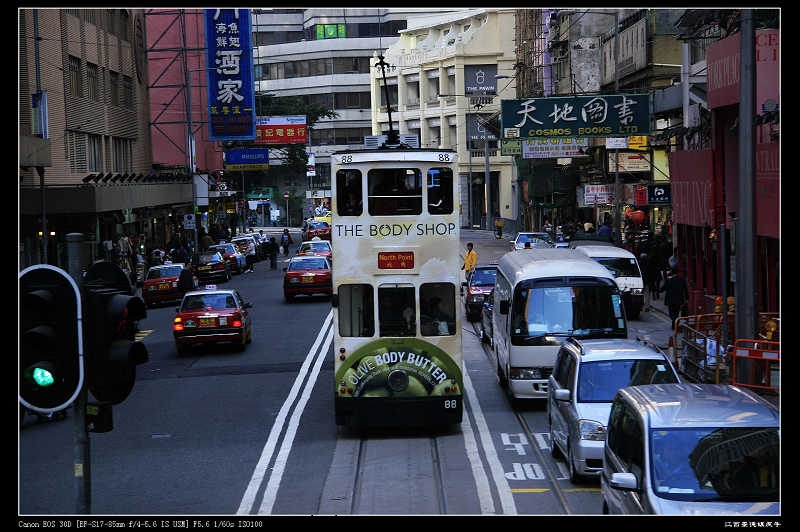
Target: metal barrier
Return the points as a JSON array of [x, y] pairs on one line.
[[699, 355], [756, 364]]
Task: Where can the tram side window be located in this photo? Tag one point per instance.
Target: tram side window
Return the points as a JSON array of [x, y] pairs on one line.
[[396, 311], [437, 307], [440, 191], [356, 310], [348, 193], [394, 191]]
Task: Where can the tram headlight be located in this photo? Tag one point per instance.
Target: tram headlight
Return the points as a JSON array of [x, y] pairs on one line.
[[525, 373], [397, 380]]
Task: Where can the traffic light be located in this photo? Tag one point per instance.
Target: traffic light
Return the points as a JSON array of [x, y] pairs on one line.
[[112, 316], [51, 339]]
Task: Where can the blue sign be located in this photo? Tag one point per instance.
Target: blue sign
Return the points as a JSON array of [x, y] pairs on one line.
[[240, 156], [659, 194], [609, 115], [229, 65]]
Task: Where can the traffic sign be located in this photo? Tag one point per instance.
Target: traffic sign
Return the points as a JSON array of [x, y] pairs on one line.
[[188, 221], [286, 195]]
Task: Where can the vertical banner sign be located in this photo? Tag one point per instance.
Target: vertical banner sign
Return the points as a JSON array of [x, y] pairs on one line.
[[229, 65]]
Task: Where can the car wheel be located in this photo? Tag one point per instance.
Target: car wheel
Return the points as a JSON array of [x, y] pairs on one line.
[[574, 477], [635, 315], [605, 508], [250, 335]]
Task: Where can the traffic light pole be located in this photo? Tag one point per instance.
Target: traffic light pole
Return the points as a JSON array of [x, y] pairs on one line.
[[82, 467]]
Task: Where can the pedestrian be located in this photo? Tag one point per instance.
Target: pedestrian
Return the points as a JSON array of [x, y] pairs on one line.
[[605, 230], [180, 254], [643, 265], [272, 252], [205, 239], [676, 294], [470, 260], [286, 240]]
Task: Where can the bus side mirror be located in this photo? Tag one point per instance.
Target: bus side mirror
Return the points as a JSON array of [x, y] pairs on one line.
[[334, 300], [504, 306]]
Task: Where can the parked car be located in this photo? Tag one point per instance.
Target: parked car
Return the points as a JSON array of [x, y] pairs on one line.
[[487, 333], [162, 284], [317, 228], [478, 287], [307, 275], [212, 267], [316, 247], [586, 375], [212, 316], [231, 253], [692, 449], [536, 240]]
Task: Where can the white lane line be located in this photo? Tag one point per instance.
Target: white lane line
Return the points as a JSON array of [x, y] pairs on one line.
[[269, 448], [471, 446], [503, 489], [283, 455]]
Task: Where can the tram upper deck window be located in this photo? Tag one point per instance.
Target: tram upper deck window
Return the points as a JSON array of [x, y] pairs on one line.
[[394, 191], [440, 191], [349, 195]]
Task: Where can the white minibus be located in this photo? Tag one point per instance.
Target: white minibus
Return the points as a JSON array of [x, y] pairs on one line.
[[541, 298]]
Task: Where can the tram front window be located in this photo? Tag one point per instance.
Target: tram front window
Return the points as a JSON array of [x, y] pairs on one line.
[[396, 311]]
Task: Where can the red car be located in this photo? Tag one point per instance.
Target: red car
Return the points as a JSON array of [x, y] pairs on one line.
[[161, 284], [307, 275], [231, 254], [320, 229], [317, 247], [211, 316]]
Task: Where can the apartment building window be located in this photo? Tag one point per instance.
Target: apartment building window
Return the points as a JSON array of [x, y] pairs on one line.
[[325, 100], [123, 155], [114, 81], [352, 100], [350, 65], [351, 135], [75, 85], [75, 148], [124, 25], [95, 152], [127, 92], [92, 87]]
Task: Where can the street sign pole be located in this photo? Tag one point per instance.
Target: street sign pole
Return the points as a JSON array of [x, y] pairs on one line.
[[286, 197]]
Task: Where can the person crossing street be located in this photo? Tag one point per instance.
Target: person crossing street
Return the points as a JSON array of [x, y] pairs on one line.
[[470, 260]]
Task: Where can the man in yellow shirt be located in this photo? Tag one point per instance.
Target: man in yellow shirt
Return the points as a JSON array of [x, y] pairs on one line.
[[470, 260]]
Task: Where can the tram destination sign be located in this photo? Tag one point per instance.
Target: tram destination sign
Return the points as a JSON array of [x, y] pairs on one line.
[[576, 116]]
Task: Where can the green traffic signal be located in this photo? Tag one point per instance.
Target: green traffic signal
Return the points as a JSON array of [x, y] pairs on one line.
[[42, 374]]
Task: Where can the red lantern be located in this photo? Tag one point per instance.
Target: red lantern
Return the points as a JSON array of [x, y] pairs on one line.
[[638, 217]]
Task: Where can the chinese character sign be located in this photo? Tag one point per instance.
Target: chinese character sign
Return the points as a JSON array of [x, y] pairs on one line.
[[281, 130], [576, 116], [229, 66]]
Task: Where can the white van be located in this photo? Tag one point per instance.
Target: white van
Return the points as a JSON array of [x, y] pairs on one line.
[[541, 298], [626, 270]]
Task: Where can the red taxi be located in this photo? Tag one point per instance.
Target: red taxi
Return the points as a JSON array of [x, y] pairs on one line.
[[317, 247], [162, 284], [212, 316], [318, 228], [478, 289], [307, 275]]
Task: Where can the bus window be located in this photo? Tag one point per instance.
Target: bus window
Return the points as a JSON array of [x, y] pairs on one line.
[[437, 309], [396, 311], [348, 193], [356, 310], [394, 191], [440, 191]]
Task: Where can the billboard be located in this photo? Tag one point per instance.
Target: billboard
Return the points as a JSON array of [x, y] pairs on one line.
[[229, 69], [281, 130], [576, 116], [246, 159]]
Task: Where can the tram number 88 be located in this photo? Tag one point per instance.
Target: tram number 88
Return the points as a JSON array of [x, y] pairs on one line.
[[450, 403]]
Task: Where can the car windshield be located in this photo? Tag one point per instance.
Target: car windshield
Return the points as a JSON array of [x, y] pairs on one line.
[[208, 302], [319, 225], [158, 273], [316, 246], [588, 310], [205, 258], [308, 264], [599, 381], [483, 277], [620, 266], [716, 464]]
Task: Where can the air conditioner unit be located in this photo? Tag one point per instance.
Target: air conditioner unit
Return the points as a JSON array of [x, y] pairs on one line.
[[373, 142], [410, 139]]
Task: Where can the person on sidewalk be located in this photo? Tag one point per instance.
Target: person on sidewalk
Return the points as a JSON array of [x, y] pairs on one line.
[[470, 260], [676, 294], [286, 241]]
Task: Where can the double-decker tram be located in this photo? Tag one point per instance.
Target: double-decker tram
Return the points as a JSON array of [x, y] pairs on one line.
[[396, 276]]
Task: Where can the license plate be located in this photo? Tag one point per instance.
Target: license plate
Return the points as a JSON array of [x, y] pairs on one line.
[[307, 279], [205, 267], [207, 322], [163, 286]]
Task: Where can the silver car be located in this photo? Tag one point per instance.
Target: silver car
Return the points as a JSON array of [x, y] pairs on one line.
[[534, 239], [585, 378], [692, 449]]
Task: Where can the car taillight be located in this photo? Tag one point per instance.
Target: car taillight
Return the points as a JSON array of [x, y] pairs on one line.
[[177, 324], [237, 321], [220, 266]]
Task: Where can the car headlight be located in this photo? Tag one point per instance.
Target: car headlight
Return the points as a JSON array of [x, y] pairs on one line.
[[525, 373], [476, 298], [294, 280], [636, 291], [592, 430]]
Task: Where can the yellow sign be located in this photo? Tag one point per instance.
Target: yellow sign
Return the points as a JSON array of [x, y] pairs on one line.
[[246, 166], [638, 142]]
